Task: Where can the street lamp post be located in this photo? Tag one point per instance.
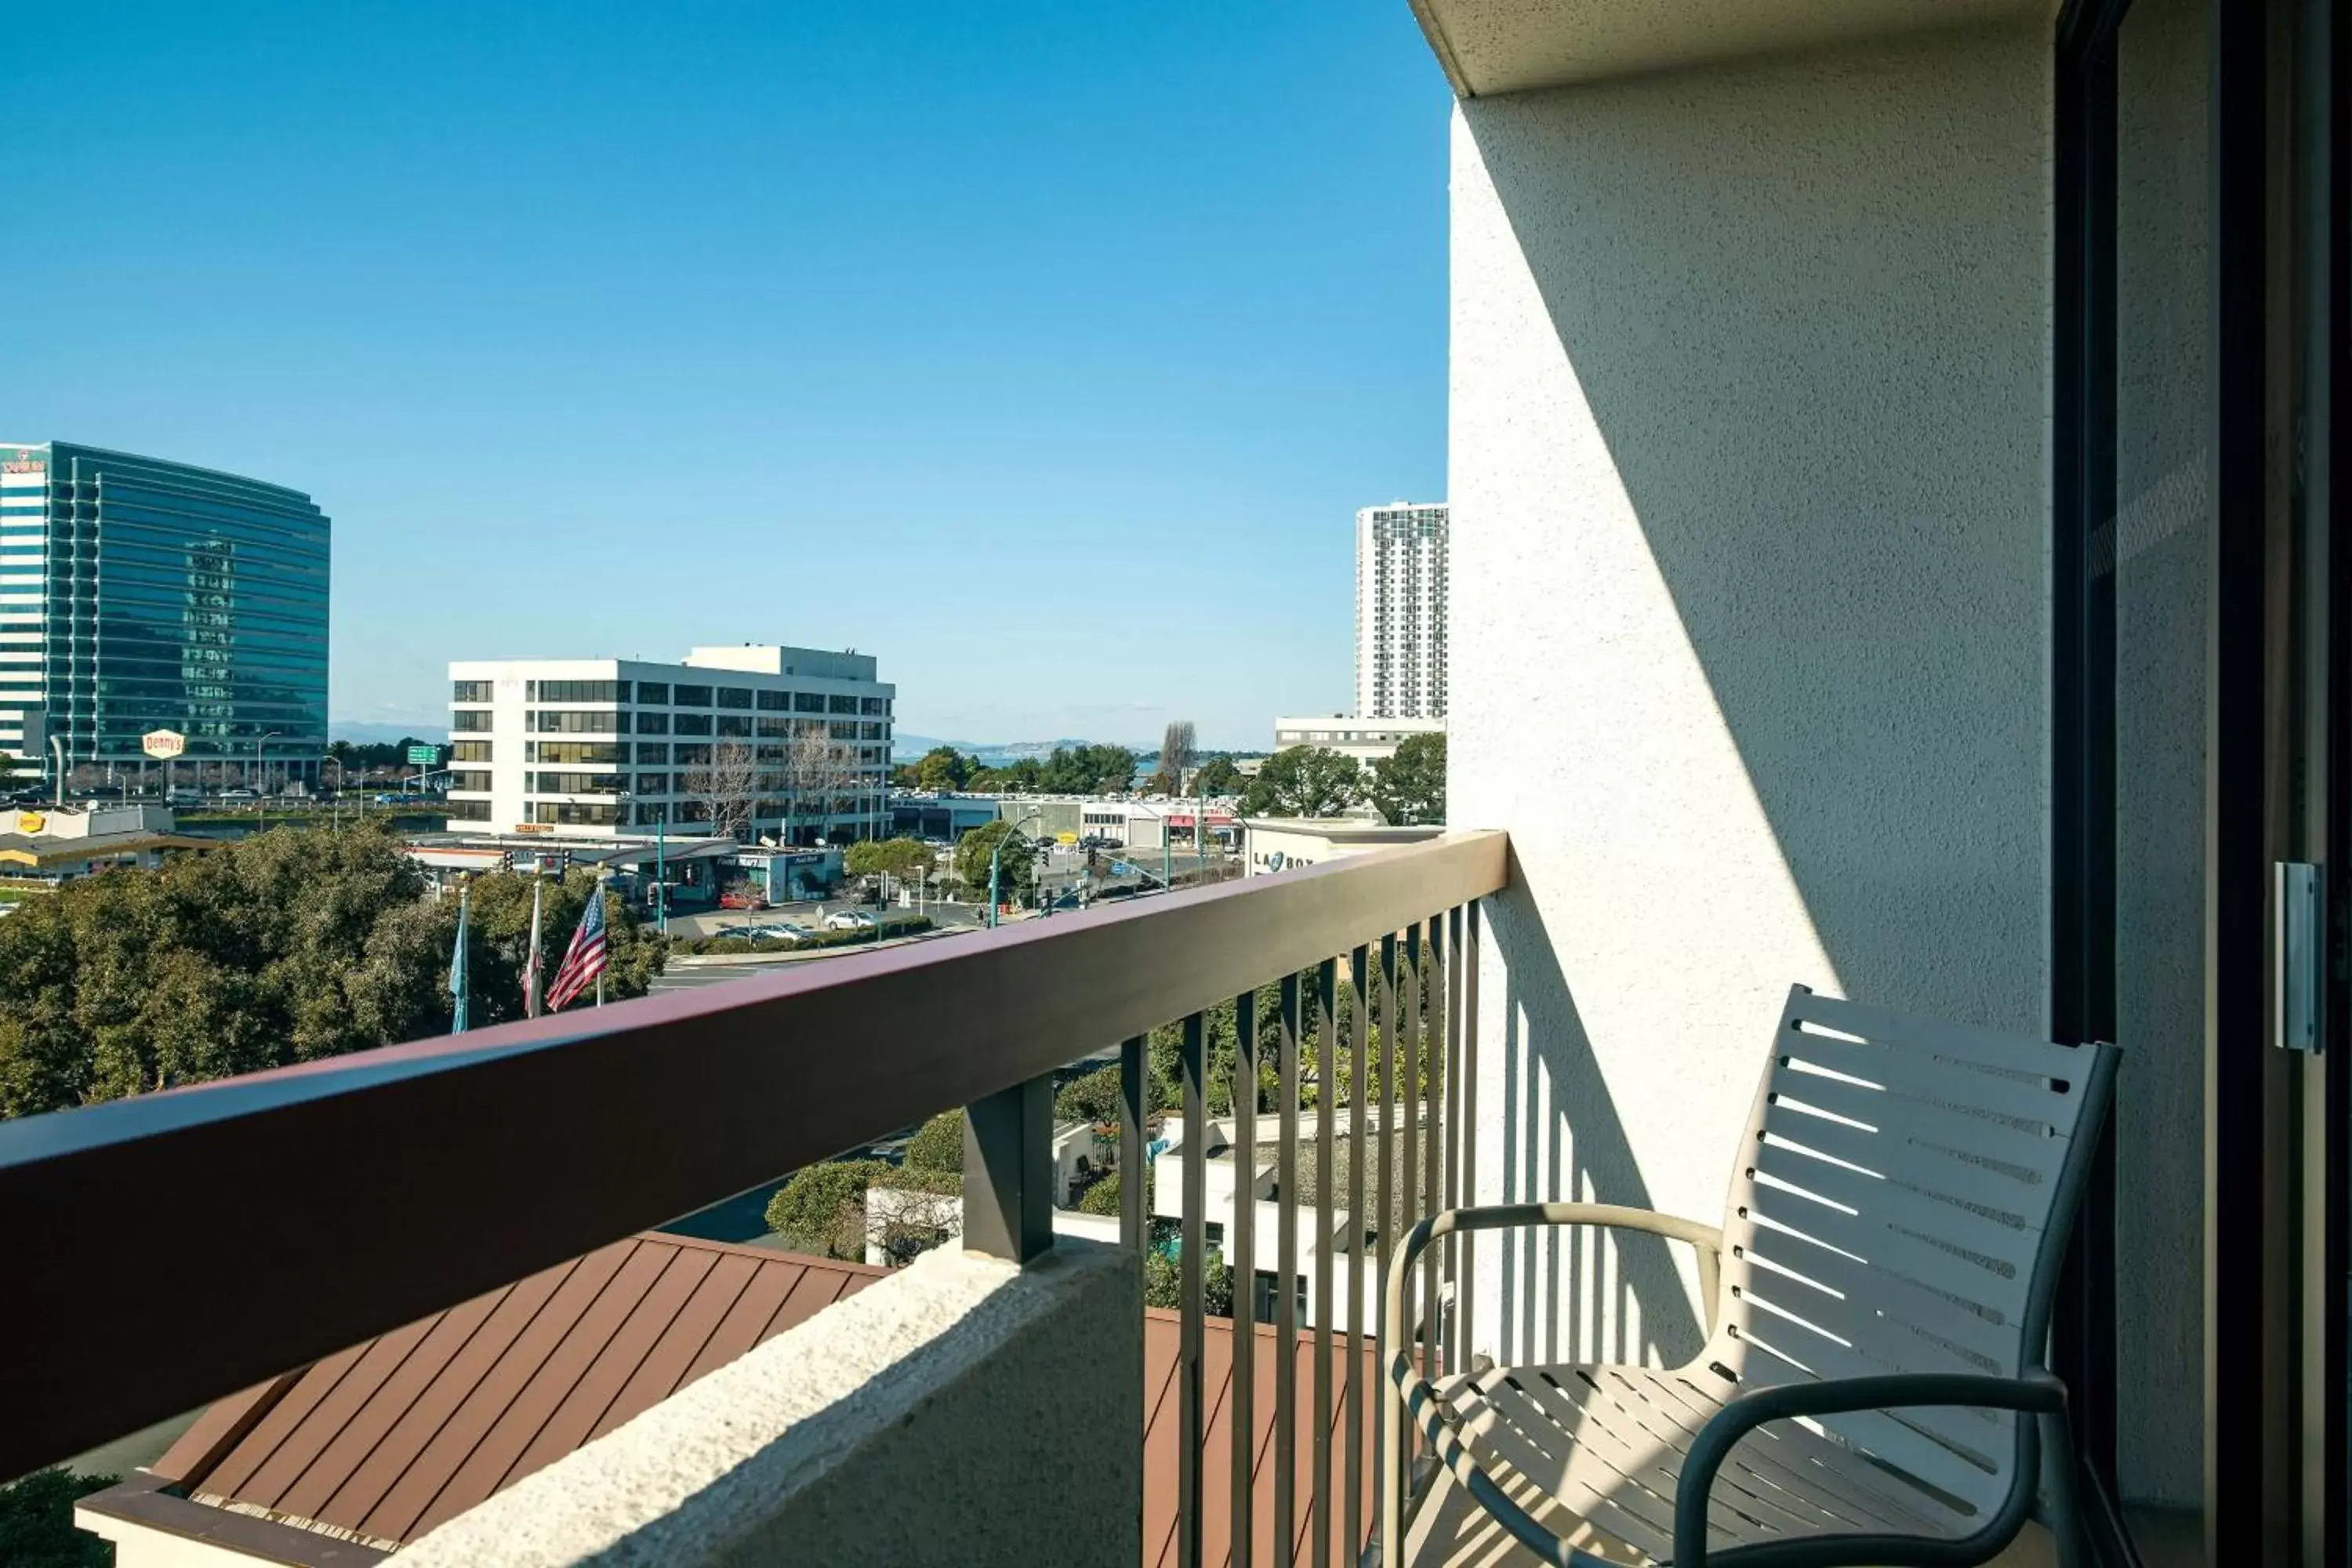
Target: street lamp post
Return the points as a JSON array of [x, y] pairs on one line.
[[1200, 828], [258, 766], [627, 801], [995, 863], [1167, 864]]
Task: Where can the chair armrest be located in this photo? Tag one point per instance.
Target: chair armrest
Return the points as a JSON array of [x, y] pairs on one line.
[[2036, 1392], [1706, 1238]]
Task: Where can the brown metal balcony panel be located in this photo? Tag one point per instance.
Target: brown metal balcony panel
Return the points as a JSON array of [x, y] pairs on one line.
[[324, 1204], [388, 1456]]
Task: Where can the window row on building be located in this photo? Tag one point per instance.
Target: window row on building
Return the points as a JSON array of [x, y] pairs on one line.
[[669, 694]]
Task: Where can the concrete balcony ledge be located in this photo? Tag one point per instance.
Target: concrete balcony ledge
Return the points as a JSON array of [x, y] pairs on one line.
[[961, 1411]]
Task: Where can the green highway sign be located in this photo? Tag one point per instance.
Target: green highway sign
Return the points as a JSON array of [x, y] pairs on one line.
[[423, 756]]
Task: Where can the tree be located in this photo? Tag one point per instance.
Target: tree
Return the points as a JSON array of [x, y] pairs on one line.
[[1218, 776], [1177, 743], [1409, 786], [285, 947], [1303, 781], [1093, 1098], [725, 788], [288, 946], [814, 772], [498, 913], [942, 769], [903, 859], [939, 1144], [1087, 770], [1024, 776], [36, 1527], [1017, 869]]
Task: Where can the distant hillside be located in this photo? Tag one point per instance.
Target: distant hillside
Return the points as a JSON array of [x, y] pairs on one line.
[[906, 748], [363, 732]]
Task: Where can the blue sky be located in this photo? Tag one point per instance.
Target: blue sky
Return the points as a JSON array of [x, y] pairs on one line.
[[1043, 350]]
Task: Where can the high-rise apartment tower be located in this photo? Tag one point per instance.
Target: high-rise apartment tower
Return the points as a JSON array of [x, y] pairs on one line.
[[1401, 552]]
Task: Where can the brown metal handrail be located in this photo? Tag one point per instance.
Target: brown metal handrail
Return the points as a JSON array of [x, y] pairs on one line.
[[306, 1209]]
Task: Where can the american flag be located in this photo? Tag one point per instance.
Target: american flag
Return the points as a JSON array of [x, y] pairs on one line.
[[583, 960]]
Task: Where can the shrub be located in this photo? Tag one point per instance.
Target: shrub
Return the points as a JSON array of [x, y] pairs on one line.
[[940, 1145], [1164, 1284], [902, 1230], [36, 1527], [1102, 1198], [822, 1209], [912, 1178]]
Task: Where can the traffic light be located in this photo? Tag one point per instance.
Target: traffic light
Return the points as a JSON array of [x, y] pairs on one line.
[[563, 864], [506, 860]]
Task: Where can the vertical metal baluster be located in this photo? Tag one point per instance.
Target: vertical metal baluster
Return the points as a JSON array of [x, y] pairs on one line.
[[1410, 1067], [1285, 1284], [1188, 1278], [1327, 1113], [1433, 1054], [1358, 1086], [1467, 961], [1454, 1132], [1244, 1424], [1409, 1177], [1381, 1413], [1131, 1143], [1131, 1180]]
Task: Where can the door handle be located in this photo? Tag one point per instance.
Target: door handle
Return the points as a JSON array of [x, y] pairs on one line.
[[2298, 954]]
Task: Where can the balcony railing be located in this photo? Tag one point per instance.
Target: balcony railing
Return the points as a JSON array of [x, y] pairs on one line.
[[312, 1207]]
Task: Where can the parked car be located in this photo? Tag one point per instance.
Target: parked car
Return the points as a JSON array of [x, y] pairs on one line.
[[242, 795], [742, 897], [849, 920], [780, 930]]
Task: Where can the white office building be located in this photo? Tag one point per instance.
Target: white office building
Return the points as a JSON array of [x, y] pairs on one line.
[[790, 743], [1366, 740], [1401, 586]]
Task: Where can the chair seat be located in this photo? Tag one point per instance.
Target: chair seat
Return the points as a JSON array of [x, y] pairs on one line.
[[1606, 1444]]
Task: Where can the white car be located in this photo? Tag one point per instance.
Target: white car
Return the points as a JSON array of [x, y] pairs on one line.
[[848, 919], [779, 932]]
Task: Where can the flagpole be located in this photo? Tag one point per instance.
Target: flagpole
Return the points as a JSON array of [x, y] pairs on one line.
[[457, 974], [597, 893], [530, 970]]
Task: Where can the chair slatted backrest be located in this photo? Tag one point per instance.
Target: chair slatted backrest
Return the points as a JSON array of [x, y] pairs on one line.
[[1899, 1207]]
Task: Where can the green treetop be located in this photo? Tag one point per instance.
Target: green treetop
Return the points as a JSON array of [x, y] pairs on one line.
[[1303, 781], [1408, 788]]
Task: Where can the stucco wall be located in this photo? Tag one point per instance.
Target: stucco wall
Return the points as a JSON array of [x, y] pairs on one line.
[[1750, 472], [2161, 556]]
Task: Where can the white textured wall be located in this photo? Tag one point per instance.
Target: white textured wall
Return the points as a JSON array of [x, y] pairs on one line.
[[1749, 464], [2162, 556]]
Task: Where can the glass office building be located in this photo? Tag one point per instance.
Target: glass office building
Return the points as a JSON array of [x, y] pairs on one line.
[[140, 595]]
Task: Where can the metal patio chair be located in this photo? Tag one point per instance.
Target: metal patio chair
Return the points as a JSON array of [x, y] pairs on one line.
[[1880, 1297]]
